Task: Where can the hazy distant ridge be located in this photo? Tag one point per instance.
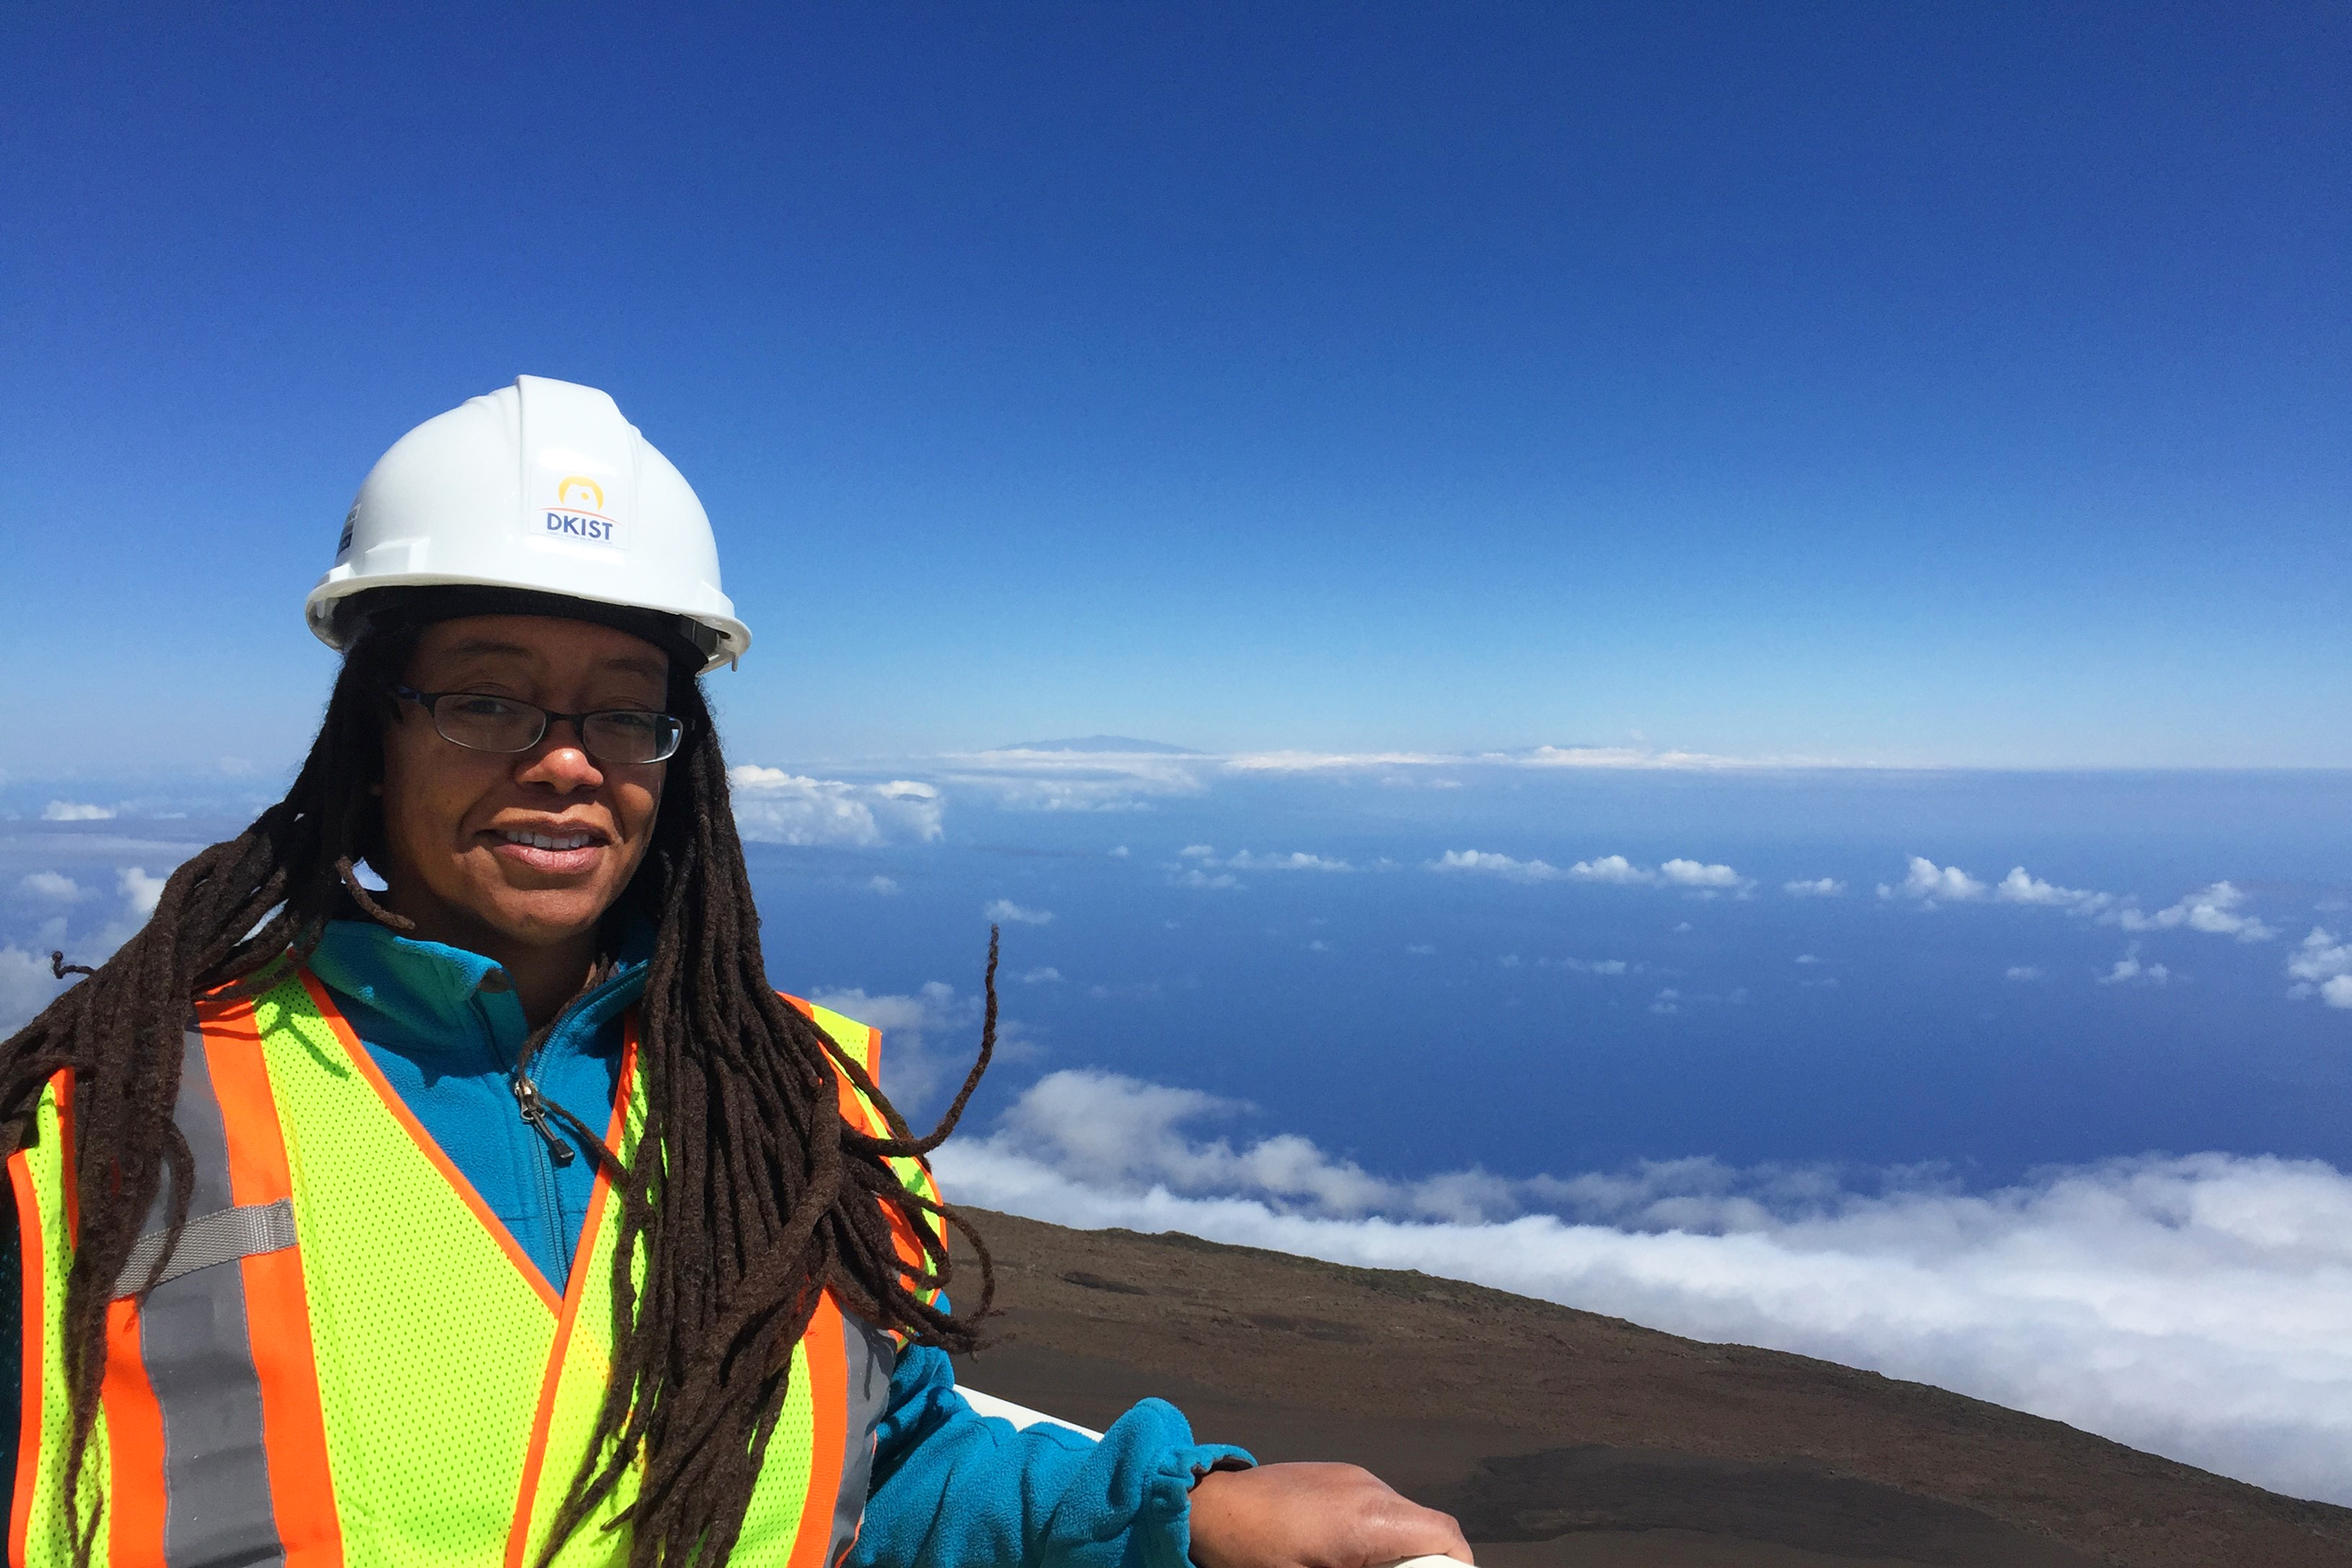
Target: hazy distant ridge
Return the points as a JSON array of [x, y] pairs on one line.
[[1102, 743]]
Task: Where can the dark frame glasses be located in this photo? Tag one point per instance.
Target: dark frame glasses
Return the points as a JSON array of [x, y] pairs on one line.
[[482, 723]]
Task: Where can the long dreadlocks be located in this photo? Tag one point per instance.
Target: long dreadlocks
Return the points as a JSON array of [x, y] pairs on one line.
[[746, 1197]]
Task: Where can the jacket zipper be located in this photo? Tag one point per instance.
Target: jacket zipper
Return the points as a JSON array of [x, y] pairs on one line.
[[534, 1107], [531, 1106]]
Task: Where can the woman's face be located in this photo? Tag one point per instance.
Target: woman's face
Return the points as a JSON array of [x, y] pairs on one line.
[[467, 834]]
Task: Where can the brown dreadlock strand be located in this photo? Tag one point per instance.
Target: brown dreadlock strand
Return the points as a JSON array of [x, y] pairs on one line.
[[747, 1199], [743, 1092]]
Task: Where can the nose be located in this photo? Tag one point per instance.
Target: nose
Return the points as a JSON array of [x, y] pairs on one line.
[[560, 762]]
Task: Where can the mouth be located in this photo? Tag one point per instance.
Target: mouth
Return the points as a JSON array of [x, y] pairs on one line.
[[566, 852], [580, 840]]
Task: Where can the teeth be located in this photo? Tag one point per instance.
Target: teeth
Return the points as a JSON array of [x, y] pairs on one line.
[[549, 841]]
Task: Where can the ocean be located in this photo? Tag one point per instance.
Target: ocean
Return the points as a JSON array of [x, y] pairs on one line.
[[2032, 1084]]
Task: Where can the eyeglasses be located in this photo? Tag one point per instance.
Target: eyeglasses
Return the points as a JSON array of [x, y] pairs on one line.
[[481, 722]]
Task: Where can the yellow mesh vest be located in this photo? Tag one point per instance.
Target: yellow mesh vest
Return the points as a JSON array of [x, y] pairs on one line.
[[387, 1379]]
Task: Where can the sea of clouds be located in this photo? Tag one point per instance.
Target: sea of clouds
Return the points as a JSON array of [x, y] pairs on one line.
[[2190, 1306]]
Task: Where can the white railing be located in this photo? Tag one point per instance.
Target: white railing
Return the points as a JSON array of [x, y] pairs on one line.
[[1021, 1415]]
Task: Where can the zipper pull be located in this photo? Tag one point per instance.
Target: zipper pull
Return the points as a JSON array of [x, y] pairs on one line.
[[535, 1115]]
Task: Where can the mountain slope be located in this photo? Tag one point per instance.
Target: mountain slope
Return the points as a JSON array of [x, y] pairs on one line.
[[1564, 1440]]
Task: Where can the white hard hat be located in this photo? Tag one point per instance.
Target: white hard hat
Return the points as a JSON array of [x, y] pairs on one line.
[[538, 489]]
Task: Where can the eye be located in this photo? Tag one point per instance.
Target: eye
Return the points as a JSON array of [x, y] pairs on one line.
[[474, 705], [632, 720]]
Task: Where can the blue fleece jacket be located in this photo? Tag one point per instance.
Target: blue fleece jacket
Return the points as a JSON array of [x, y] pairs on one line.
[[950, 1488]]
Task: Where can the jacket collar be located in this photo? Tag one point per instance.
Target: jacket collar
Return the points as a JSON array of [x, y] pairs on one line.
[[436, 992]]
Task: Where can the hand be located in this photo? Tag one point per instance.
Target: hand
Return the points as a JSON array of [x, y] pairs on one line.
[[1313, 1516]]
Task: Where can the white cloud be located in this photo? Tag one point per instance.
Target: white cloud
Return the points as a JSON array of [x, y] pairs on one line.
[[1420, 948], [1585, 965], [2130, 970], [1297, 860], [1678, 873], [2210, 909], [74, 811], [1005, 912], [1819, 888], [1692, 874], [1196, 878], [140, 891], [2324, 965], [1334, 761], [773, 806], [1613, 870], [1929, 882], [2017, 887], [26, 982], [1046, 976], [2023, 972], [886, 886], [1674, 998], [1107, 1129], [1625, 757], [2213, 910], [2190, 1306], [26, 985], [1118, 852], [1242, 860], [1807, 958], [1495, 865]]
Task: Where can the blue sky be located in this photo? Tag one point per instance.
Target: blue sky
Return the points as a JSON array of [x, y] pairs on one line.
[[1959, 386]]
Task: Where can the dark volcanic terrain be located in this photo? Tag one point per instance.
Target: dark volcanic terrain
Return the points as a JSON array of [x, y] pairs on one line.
[[1564, 1440]]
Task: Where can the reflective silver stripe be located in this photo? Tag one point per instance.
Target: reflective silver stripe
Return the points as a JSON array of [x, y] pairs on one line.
[[198, 1351], [222, 1238], [872, 1359]]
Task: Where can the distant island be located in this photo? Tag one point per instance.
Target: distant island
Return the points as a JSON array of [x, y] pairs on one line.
[[1102, 743]]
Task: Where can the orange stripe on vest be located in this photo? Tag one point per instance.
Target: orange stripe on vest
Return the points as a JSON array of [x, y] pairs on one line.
[[278, 1312]]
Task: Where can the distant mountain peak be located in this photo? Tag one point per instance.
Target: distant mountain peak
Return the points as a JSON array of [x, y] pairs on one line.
[[1102, 743]]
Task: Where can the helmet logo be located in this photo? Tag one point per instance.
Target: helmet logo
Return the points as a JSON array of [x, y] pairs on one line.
[[578, 515], [578, 491]]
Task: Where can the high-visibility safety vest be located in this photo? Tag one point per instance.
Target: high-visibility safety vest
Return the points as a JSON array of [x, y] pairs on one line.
[[348, 1359]]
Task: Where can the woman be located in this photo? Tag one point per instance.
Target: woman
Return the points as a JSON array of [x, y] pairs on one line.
[[505, 1213]]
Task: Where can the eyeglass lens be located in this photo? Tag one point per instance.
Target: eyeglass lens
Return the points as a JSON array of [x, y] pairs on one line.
[[500, 724]]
